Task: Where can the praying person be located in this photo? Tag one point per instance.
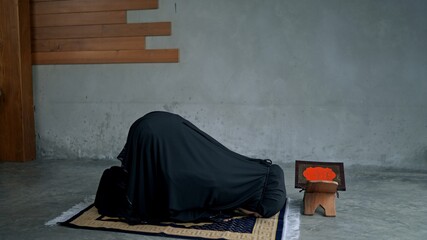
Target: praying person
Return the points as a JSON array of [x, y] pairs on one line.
[[173, 171]]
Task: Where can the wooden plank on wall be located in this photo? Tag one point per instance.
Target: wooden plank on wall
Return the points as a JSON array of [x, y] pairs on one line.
[[46, 0], [69, 19], [122, 56], [17, 135], [94, 31], [87, 44], [71, 6], [97, 31]]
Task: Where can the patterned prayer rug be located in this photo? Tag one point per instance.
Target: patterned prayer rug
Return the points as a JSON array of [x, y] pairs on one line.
[[249, 228]]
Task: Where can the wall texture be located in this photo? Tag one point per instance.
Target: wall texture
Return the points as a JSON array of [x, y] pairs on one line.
[[285, 80]]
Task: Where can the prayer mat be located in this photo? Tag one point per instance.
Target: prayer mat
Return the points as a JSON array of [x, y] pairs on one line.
[[244, 227]]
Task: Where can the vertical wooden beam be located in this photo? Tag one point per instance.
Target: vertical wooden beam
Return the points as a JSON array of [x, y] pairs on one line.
[[17, 134]]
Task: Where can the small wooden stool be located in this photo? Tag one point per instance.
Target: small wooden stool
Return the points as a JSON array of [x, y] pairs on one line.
[[320, 192]]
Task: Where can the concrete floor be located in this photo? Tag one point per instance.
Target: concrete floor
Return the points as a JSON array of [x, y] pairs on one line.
[[378, 204]]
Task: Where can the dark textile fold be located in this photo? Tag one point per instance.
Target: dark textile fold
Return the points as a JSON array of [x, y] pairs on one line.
[[177, 172]]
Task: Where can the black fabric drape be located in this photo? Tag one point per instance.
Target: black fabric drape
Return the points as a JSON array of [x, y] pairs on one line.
[[177, 172]]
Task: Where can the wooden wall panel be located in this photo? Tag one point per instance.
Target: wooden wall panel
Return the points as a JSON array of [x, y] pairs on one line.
[[94, 31], [72, 6], [17, 135], [121, 56], [78, 19], [107, 30], [85, 44]]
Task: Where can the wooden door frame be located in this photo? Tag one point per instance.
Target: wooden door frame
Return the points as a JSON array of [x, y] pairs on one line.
[[17, 131]]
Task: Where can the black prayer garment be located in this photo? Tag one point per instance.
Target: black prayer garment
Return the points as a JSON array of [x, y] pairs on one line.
[[179, 173]]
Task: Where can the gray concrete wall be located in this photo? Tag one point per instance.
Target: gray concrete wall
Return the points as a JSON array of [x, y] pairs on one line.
[[286, 80]]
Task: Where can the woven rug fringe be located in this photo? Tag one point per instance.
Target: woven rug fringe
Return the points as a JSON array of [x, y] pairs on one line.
[[292, 223], [72, 211]]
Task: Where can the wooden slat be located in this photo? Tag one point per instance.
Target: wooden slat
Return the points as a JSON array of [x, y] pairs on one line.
[[70, 19], [91, 6], [89, 44], [124, 56], [98, 31], [46, 0]]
